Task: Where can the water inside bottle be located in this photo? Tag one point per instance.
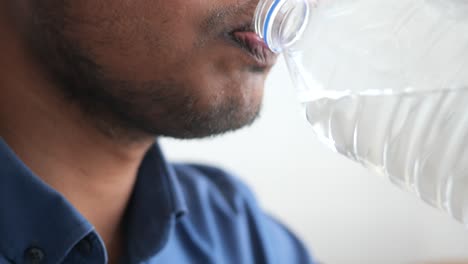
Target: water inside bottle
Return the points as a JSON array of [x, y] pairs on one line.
[[385, 84], [418, 140]]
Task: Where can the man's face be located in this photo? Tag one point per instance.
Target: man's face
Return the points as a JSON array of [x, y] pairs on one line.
[[163, 67]]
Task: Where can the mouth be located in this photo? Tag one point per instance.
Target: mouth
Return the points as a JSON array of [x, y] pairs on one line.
[[247, 40]]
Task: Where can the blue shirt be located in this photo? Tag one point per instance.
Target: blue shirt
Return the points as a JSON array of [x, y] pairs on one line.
[[177, 214]]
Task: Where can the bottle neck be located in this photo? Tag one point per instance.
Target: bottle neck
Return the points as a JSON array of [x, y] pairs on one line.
[[280, 23]]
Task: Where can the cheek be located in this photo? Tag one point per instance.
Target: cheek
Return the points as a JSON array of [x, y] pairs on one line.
[[131, 43], [135, 40]]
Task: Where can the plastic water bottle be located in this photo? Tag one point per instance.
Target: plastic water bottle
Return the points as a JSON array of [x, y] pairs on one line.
[[384, 83]]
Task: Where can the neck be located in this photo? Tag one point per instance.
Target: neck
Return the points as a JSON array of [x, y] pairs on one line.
[[95, 172]]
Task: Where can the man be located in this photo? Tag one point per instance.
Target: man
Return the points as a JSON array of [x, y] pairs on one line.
[[85, 88]]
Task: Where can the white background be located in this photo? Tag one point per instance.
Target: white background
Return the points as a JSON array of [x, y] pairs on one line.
[[342, 212]]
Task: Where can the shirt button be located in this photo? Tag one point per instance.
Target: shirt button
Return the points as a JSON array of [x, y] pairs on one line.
[[84, 247], [34, 255]]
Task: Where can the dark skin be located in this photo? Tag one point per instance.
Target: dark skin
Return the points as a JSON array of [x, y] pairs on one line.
[[86, 86]]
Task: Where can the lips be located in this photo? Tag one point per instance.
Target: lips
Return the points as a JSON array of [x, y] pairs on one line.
[[253, 45]]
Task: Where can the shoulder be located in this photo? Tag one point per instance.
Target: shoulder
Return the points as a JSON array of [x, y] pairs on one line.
[[225, 217], [214, 184]]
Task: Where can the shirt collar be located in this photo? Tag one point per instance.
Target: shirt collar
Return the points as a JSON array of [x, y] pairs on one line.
[[156, 203], [32, 214]]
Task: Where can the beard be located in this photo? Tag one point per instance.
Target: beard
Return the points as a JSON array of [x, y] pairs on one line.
[[123, 107]]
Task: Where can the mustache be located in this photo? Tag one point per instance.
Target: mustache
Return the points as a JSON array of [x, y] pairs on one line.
[[230, 18]]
